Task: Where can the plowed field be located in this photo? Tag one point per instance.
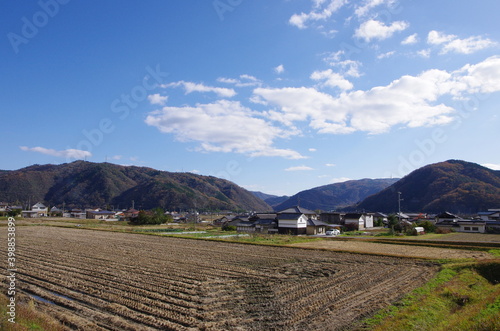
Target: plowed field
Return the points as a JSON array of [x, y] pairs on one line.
[[115, 281]]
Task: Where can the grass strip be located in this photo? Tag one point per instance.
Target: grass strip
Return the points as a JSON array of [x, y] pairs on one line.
[[462, 296]]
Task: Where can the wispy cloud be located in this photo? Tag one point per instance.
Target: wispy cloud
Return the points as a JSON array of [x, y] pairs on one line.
[[299, 168], [373, 29], [321, 11], [67, 153], [367, 5], [492, 166], [191, 87], [339, 180], [410, 40], [157, 99], [279, 69], [243, 81], [452, 44], [385, 55]]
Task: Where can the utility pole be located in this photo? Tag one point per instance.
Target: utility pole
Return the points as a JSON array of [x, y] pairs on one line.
[[399, 206]]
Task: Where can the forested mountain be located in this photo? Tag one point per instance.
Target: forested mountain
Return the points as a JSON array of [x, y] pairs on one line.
[[455, 186], [87, 184], [338, 195], [271, 200]]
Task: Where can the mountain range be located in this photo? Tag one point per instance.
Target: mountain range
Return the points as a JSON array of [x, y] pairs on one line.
[[86, 184], [454, 185], [331, 196]]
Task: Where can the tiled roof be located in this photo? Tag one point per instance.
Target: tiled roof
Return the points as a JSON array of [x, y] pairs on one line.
[[297, 209]]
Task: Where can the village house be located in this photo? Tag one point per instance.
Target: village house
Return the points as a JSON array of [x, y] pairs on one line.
[[265, 223], [358, 221], [384, 218], [40, 209], [475, 226], [294, 220], [3, 206], [100, 214]]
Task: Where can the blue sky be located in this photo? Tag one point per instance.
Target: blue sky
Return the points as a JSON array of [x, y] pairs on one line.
[[276, 96]]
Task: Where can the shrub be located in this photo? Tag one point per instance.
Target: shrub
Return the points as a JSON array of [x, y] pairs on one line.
[[443, 230], [428, 226], [229, 228]]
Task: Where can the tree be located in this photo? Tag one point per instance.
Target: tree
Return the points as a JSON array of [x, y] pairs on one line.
[[14, 212], [393, 223], [428, 226]]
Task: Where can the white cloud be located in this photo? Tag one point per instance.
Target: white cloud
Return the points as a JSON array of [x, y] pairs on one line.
[[424, 53], [279, 69], [299, 168], [243, 81], [157, 99], [346, 67], [332, 79], [227, 80], [312, 149], [67, 153], [468, 45], [410, 40], [322, 10], [452, 44], [373, 29], [410, 101], [330, 164], [437, 38], [492, 166], [363, 10], [339, 180], [223, 126], [190, 87], [384, 55]]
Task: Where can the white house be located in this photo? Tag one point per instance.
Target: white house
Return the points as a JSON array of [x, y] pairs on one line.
[[359, 221], [40, 209], [294, 220], [472, 226]]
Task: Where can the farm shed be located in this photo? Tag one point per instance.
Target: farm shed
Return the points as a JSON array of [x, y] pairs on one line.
[[359, 221], [316, 227], [472, 226]]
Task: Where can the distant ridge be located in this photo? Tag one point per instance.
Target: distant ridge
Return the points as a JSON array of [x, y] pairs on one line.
[[86, 184], [335, 196], [272, 200], [454, 185]]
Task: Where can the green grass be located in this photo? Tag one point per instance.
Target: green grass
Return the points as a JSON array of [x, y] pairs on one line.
[[494, 252], [27, 317], [462, 296]]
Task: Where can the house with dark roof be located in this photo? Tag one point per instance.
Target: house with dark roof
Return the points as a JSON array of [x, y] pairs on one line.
[[294, 220], [315, 227], [100, 214], [474, 226]]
